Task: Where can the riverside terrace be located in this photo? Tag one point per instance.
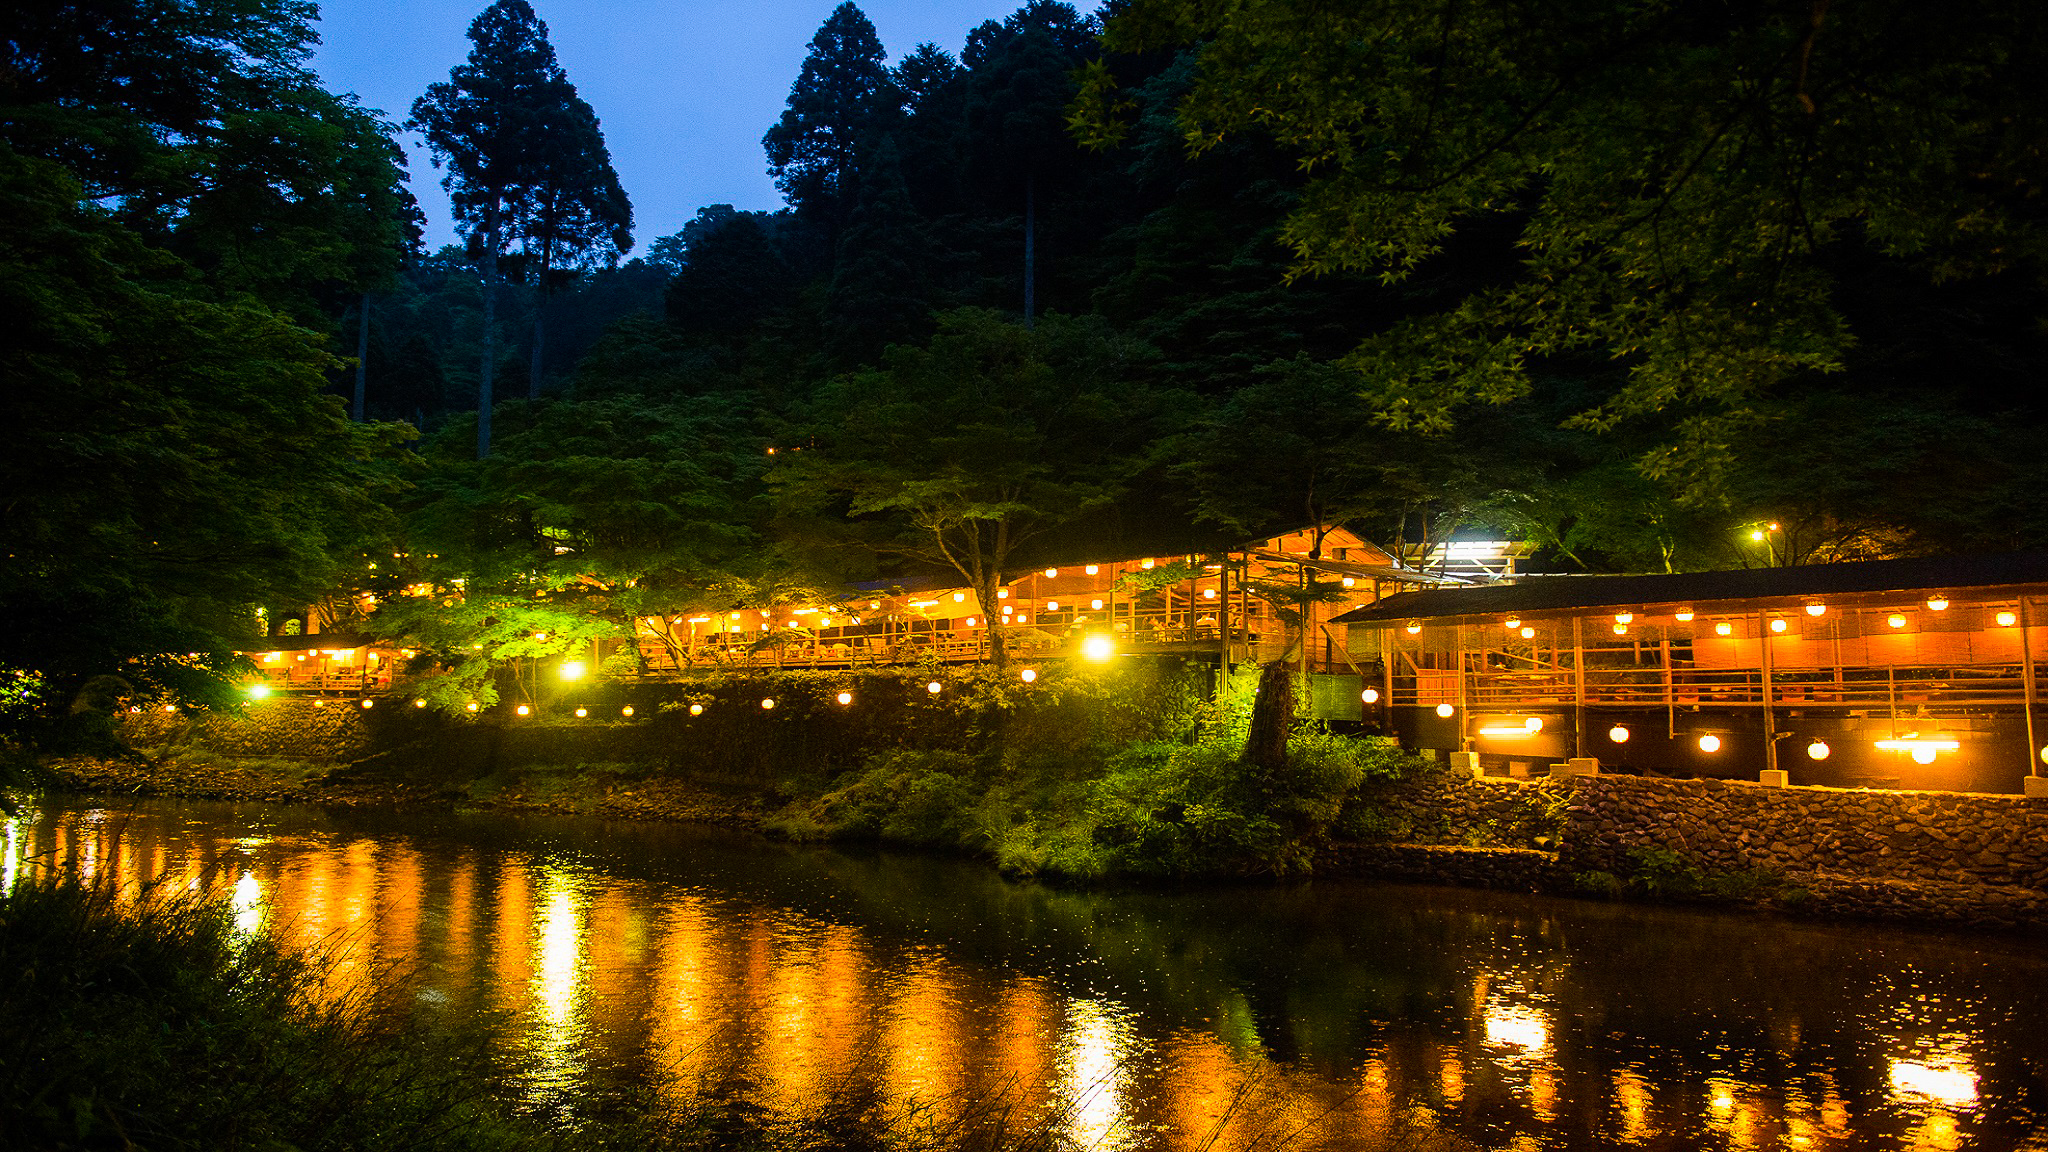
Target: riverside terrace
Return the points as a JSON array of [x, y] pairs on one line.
[[1918, 673], [1190, 605]]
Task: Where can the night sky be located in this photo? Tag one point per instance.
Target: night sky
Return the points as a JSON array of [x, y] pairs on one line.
[[684, 89]]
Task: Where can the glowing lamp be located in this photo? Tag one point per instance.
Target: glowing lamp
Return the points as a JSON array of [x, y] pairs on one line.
[[1095, 605], [1208, 593], [1052, 572], [1505, 731], [1002, 593], [1618, 734], [1099, 647], [2007, 619], [959, 597], [1816, 609], [1511, 623], [469, 707], [1349, 582], [368, 704], [1624, 617], [1756, 534], [1370, 695], [1724, 628], [1683, 615], [540, 637], [1446, 710], [523, 710], [935, 687], [1818, 750], [767, 703], [1007, 610], [1023, 618], [258, 691], [1052, 605], [844, 697], [573, 670], [317, 703], [626, 711], [1029, 675], [1528, 633], [1415, 627], [419, 703], [174, 707], [1778, 625], [1091, 569], [1621, 629], [1895, 620], [973, 621], [1710, 743], [1937, 603]]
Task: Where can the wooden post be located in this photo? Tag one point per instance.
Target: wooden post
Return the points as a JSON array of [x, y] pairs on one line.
[[1763, 640], [1578, 686], [1464, 698], [1223, 614], [1670, 692], [2027, 687]]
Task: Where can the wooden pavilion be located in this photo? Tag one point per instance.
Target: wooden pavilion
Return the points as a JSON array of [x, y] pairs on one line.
[[1918, 673]]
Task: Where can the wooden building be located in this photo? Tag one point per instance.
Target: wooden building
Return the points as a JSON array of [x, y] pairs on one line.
[[1916, 673], [1192, 605]]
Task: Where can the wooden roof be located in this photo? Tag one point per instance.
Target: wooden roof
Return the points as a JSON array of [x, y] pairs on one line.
[[1565, 593]]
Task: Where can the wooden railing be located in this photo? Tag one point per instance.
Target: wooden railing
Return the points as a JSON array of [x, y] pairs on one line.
[[1975, 685]]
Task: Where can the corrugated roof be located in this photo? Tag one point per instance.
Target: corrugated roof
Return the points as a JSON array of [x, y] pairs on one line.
[[1564, 593]]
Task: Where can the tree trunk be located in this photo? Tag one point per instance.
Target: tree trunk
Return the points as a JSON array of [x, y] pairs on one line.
[[1265, 746], [483, 382], [992, 615], [1030, 250], [362, 357], [539, 339]]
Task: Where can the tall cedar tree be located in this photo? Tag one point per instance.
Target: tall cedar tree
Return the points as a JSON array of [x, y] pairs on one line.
[[576, 209], [525, 160], [838, 100]]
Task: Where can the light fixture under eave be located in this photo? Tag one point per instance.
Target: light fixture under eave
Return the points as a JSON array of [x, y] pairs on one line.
[[1528, 633], [1370, 695], [1446, 710], [1816, 609], [1624, 617], [1724, 628], [1505, 731], [1621, 629], [1710, 743], [2007, 619], [1937, 603], [1052, 572], [1923, 750], [1092, 569], [1778, 624], [1895, 621], [1415, 627]]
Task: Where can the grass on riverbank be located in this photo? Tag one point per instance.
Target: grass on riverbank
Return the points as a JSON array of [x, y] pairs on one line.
[[1150, 809]]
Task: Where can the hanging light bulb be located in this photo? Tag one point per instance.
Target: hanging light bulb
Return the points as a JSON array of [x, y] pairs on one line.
[[767, 703], [1683, 615], [1528, 633], [1818, 750], [1029, 675], [844, 697], [696, 709], [1618, 734], [1446, 710], [1710, 743], [1724, 628], [1370, 695]]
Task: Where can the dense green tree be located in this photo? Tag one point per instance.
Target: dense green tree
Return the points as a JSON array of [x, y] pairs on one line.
[[1677, 179], [174, 465], [959, 453], [840, 98], [879, 292]]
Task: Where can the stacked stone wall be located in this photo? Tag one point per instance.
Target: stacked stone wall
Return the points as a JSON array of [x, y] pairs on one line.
[[1920, 837]]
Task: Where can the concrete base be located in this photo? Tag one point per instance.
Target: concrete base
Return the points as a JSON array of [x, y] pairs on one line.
[[1518, 770], [1774, 778], [1576, 766], [1466, 762], [2037, 786]]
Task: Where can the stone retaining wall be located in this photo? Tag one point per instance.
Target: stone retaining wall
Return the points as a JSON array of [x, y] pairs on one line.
[[1942, 837]]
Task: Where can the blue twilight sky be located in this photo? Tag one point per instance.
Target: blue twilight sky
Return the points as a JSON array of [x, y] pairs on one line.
[[684, 88]]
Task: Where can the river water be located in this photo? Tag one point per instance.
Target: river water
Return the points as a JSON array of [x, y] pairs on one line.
[[1333, 1015]]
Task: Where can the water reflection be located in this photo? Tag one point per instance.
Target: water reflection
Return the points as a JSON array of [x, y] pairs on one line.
[[1340, 1017]]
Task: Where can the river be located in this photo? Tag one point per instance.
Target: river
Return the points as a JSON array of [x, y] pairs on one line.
[[1333, 1015]]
